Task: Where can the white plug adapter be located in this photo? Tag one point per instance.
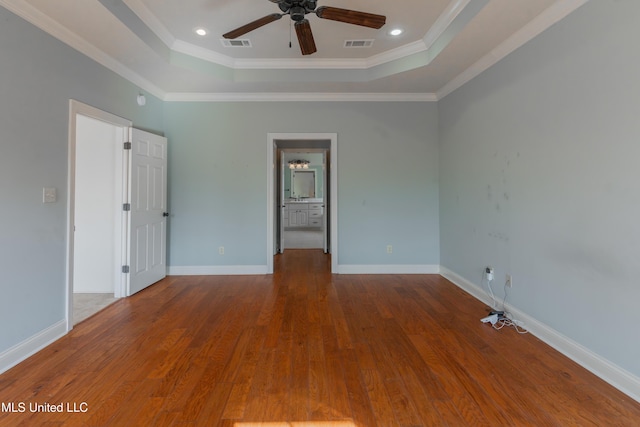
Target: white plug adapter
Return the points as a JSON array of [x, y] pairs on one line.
[[493, 319], [489, 272]]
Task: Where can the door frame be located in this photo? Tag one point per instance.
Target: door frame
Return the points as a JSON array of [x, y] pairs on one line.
[[77, 108], [272, 171]]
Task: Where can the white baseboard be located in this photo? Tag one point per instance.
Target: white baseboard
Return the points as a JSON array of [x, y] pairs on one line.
[[216, 270], [388, 269], [621, 379], [19, 352]]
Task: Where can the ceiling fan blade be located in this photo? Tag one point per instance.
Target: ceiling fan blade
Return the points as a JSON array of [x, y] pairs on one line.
[[351, 16], [305, 37], [252, 26]]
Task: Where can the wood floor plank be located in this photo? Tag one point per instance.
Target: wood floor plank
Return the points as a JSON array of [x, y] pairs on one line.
[[258, 393], [319, 400], [401, 402], [379, 398], [361, 408], [305, 346]]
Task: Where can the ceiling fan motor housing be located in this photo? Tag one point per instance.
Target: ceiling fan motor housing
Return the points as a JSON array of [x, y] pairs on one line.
[[297, 13], [296, 8]]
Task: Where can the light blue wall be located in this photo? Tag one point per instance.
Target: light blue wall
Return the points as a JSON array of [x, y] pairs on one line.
[[540, 178], [38, 77], [387, 173]]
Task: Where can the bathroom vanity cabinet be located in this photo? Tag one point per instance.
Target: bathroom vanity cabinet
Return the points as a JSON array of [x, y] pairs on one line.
[[303, 214]]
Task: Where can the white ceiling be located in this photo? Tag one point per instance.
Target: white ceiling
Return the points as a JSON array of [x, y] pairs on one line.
[[445, 43]]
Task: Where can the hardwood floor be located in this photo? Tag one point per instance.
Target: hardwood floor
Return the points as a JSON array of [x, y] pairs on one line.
[[304, 348]]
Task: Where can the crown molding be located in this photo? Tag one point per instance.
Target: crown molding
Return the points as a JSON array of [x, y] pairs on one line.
[[151, 21], [296, 64], [300, 64], [443, 22], [208, 55], [332, 63], [300, 97], [546, 19], [55, 29], [396, 54]]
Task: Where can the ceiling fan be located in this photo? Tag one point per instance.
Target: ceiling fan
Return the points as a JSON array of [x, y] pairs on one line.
[[297, 9]]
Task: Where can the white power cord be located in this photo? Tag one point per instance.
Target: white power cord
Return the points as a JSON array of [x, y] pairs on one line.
[[507, 318], [487, 274], [506, 321]]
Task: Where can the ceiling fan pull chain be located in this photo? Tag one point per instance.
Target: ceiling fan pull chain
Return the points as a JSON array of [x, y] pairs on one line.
[[290, 30]]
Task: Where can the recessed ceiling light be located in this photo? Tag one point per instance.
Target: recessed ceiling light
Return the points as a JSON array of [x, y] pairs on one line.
[[200, 31], [395, 32]]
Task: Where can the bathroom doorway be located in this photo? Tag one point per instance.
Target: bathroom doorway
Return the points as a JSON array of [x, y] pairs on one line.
[[302, 202], [302, 199]]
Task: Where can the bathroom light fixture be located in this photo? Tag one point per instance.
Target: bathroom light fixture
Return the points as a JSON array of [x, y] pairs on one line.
[[298, 164]]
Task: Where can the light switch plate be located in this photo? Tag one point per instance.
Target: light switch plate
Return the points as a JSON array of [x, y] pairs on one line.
[[49, 195]]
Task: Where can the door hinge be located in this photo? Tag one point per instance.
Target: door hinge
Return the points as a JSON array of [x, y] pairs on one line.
[[125, 268], [127, 146], [126, 207]]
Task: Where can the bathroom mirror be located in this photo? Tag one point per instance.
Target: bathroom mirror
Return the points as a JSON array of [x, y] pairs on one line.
[[303, 184]]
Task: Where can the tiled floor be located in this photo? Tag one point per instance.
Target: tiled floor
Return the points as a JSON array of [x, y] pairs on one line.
[[86, 305], [303, 239]]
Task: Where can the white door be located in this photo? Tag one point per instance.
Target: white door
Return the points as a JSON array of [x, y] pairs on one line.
[[148, 211], [282, 206], [325, 211]]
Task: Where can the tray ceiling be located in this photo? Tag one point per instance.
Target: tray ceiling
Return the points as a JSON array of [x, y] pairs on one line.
[[153, 43]]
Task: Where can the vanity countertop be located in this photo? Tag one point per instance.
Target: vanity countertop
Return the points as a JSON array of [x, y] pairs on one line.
[[304, 201]]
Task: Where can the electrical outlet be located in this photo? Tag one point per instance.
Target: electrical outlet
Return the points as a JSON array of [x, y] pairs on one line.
[[389, 249], [509, 280], [221, 250]]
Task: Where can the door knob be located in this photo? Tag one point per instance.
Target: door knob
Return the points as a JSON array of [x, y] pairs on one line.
[[165, 213]]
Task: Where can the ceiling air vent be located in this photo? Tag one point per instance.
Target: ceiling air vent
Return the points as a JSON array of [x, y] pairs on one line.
[[358, 43], [236, 43]]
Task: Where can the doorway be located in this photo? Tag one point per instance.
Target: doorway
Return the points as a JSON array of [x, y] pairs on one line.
[[327, 209], [117, 209], [302, 198], [96, 192]]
